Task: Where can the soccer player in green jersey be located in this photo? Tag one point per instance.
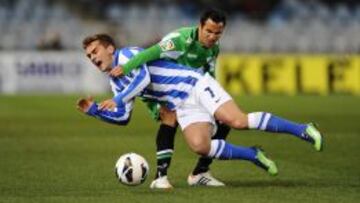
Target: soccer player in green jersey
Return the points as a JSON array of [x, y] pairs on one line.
[[195, 47]]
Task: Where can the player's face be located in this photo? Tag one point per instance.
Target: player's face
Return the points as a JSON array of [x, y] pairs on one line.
[[101, 56], [210, 32]]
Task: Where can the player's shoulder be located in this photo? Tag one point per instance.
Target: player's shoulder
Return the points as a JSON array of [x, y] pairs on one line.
[[176, 40], [181, 34], [133, 49], [188, 33], [187, 30], [129, 52], [124, 54]]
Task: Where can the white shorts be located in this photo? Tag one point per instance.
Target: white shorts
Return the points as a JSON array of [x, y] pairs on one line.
[[205, 98]]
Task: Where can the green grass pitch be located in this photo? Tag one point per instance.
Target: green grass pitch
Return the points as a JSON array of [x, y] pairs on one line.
[[49, 152]]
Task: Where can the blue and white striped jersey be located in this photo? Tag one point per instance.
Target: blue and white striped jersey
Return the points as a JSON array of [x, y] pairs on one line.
[[162, 81]]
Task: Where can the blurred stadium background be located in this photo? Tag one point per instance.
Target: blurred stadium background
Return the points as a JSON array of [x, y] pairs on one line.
[[298, 59], [254, 26], [31, 29]]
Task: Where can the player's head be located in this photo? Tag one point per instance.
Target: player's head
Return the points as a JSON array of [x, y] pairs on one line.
[[99, 49], [212, 24]]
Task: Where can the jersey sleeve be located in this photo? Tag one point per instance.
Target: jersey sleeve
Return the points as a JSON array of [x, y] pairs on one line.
[[170, 46], [138, 83], [143, 57], [120, 116]]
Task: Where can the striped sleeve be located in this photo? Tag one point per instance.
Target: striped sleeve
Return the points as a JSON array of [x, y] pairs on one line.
[[120, 116], [139, 80], [115, 89], [137, 84]]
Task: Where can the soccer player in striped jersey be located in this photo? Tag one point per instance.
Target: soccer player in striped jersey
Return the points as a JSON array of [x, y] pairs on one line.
[[196, 98], [196, 47]]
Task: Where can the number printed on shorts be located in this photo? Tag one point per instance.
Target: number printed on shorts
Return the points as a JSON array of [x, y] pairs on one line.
[[208, 89]]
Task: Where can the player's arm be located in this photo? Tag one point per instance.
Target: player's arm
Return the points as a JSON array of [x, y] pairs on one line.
[[143, 57], [169, 47], [120, 115], [118, 109], [136, 85]]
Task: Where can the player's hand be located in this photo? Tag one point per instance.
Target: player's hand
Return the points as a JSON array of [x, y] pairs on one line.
[[107, 105], [83, 105], [116, 72]]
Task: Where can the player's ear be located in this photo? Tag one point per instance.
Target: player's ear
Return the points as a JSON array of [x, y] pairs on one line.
[[110, 48]]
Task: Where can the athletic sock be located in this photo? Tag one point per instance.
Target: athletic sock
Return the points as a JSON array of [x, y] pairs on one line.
[[221, 132], [226, 151], [203, 163], [165, 148], [268, 122]]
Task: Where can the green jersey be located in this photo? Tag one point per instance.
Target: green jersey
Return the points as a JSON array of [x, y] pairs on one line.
[[183, 47]]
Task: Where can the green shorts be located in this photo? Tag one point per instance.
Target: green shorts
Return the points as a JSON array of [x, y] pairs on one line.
[[153, 109]]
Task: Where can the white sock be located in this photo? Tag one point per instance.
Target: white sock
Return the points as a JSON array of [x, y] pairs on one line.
[[217, 147], [258, 120]]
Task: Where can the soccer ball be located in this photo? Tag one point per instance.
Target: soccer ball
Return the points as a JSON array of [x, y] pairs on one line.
[[131, 169]]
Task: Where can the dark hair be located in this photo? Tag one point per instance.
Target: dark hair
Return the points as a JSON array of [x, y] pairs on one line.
[[104, 39], [215, 15]]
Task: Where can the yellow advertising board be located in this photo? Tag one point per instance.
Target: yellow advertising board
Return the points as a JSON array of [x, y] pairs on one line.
[[289, 74]]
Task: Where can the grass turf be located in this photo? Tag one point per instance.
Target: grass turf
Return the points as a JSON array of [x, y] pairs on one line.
[[51, 153]]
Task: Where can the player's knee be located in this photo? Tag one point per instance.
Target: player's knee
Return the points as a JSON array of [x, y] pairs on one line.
[[238, 122], [202, 151], [200, 148]]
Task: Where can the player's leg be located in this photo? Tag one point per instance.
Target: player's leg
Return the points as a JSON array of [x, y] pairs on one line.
[[272, 123], [197, 136], [202, 170], [216, 100], [231, 114], [164, 143], [203, 163], [165, 140], [196, 123]]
